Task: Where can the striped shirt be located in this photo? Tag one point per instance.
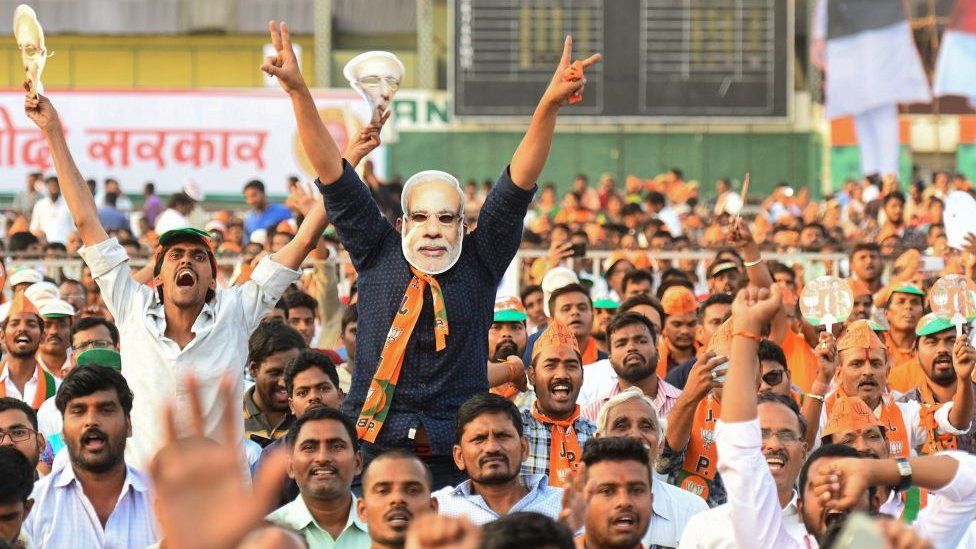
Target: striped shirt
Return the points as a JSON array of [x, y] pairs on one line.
[[667, 395]]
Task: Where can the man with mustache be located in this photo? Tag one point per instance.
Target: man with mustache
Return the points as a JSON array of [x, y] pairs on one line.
[[553, 425], [94, 498], [52, 353], [21, 375], [426, 287], [490, 447], [271, 348], [184, 323], [677, 343], [633, 355], [866, 265], [903, 310], [396, 489], [506, 343], [571, 306], [324, 458]]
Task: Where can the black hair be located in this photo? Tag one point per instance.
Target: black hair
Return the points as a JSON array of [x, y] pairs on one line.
[[567, 289], [637, 300], [526, 529], [82, 381], [865, 246], [674, 282], [825, 451], [777, 267], [714, 299], [628, 318], [19, 242], [272, 336], [179, 199], [16, 476], [481, 404], [769, 350], [10, 403], [299, 299], [282, 305], [894, 195], [673, 272], [529, 290], [321, 413], [181, 239], [790, 403], [307, 359], [399, 453], [255, 184], [111, 199], [654, 197], [89, 322], [52, 179], [349, 315], [618, 449], [636, 275], [149, 187]]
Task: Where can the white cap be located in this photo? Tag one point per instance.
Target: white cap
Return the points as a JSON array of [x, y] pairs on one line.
[[25, 275], [193, 190], [428, 176], [54, 308], [42, 291], [259, 236], [215, 225], [556, 278]]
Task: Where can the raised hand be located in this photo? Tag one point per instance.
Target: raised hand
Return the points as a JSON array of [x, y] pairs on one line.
[[197, 480], [740, 237], [754, 308], [841, 484], [283, 65], [963, 359], [561, 88], [365, 142], [702, 378], [433, 531], [573, 512], [302, 198], [40, 110], [826, 353]]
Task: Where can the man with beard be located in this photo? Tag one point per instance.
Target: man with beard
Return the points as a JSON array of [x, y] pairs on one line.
[[634, 357], [490, 447], [866, 265], [555, 430], [426, 274], [21, 375], [271, 348], [19, 422], [724, 277], [184, 323], [94, 498], [324, 458], [903, 310], [396, 489], [677, 342], [52, 353], [506, 343], [946, 366]]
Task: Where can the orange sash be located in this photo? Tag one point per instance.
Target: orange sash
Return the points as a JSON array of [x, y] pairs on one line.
[[701, 457], [379, 399], [564, 447], [936, 442], [45, 386], [800, 360], [899, 439]]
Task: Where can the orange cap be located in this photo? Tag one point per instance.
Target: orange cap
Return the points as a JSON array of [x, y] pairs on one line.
[[859, 335], [21, 304], [678, 300], [849, 413], [556, 335], [858, 287]]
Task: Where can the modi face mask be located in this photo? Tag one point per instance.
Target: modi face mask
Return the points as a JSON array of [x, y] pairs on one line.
[[30, 41], [432, 227], [376, 75]]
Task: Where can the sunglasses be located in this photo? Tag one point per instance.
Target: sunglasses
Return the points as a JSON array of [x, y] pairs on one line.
[[773, 378], [446, 219]]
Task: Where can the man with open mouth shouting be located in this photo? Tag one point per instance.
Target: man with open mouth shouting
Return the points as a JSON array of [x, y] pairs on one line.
[[427, 286], [185, 324]]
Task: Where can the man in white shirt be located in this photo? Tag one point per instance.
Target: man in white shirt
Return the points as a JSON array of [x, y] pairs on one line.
[[631, 413], [94, 499], [51, 216], [490, 447], [185, 324]]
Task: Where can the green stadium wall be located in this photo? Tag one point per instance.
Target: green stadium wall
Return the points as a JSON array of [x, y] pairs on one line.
[[845, 163]]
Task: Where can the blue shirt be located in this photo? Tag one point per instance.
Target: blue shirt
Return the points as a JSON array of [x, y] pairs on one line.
[[463, 502], [269, 218], [432, 385], [112, 219]]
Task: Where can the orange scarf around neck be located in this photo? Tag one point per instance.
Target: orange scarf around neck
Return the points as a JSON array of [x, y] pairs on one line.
[[564, 446], [701, 457]]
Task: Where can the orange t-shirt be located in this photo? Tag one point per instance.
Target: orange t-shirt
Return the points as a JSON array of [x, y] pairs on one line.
[[801, 360]]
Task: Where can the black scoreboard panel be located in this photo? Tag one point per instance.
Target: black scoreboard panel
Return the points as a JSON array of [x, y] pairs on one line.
[[661, 58]]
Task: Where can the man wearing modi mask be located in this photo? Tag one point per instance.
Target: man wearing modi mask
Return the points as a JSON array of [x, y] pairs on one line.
[[863, 372], [426, 287]]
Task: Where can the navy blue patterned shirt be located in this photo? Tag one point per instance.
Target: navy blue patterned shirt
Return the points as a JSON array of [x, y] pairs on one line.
[[432, 385]]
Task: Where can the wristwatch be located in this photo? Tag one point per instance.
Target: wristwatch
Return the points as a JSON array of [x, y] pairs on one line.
[[905, 470]]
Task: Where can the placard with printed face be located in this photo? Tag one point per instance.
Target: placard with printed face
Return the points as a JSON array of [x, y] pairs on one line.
[[826, 300], [951, 298]]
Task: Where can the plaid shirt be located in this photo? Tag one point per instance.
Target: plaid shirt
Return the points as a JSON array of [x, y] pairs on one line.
[[256, 423], [667, 395], [539, 441]]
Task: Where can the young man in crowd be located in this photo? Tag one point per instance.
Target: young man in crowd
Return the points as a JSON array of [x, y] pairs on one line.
[[638, 282], [724, 277], [866, 265], [302, 314], [271, 348], [633, 355], [603, 310], [711, 314], [324, 458], [350, 325], [16, 484], [631, 414], [94, 498], [903, 310], [263, 214], [507, 339], [396, 490], [18, 422], [533, 298], [555, 430], [22, 376], [185, 323], [571, 306], [677, 342], [53, 352], [490, 447]]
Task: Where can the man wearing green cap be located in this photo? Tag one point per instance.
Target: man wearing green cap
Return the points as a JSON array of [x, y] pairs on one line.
[[903, 309], [946, 371], [53, 353], [185, 324], [603, 310], [507, 338]]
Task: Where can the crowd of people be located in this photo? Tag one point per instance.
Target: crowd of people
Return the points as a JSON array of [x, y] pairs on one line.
[[278, 402]]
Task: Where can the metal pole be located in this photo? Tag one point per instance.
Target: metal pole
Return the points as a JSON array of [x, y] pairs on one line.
[[323, 43], [426, 56]]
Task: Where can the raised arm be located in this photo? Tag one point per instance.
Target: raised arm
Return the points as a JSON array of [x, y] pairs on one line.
[[532, 152], [309, 233], [81, 204], [963, 359], [700, 384], [319, 146], [752, 310]]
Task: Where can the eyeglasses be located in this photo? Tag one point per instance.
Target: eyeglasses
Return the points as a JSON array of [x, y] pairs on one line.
[[773, 378], [17, 434], [375, 81], [93, 344], [446, 219], [785, 436]]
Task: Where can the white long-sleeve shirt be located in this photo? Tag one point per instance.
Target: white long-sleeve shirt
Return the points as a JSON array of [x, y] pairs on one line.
[[713, 528]]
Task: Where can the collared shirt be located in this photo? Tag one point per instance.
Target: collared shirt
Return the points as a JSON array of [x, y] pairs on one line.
[[30, 388], [65, 364], [713, 528], [463, 502], [663, 402], [673, 508], [966, 442], [540, 441], [62, 516], [432, 384], [256, 421], [53, 218], [296, 516], [154, 365]]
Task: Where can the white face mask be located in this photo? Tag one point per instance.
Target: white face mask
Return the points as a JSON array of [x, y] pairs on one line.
[[413, 240]]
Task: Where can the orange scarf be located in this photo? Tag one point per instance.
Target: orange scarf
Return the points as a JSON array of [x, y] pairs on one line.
[[701, 457], [379, 399], [590, 353], [46, 386], [899, 439], [663, 358], [936, 442], [564, 447]]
